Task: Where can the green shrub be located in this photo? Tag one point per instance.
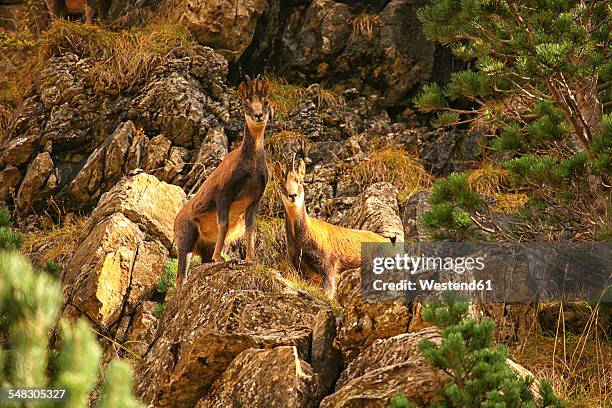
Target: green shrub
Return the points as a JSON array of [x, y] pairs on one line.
[[167, 280], [29, 306], [10, 238], [478, 370], [5, 217]]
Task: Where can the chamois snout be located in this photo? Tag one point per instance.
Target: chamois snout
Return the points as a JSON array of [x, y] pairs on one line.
[[292, 197]]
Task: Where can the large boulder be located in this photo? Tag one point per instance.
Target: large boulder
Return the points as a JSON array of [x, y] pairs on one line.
[[389, 367], [361, 322], [146, 201], [228, 27], [376, 210], [265, 378], [222, 310]]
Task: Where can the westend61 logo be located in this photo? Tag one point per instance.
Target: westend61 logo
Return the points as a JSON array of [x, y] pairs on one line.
[[504, 272], [417, 264]]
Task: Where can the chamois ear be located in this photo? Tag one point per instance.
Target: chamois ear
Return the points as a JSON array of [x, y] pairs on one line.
[[278, 172], [264, 87], [242, 91], [301, 171]]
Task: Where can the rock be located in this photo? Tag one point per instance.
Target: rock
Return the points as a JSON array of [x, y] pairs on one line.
[[208, 157], [155, 154], [222, 310], [326, 360], [10, 178], [265, 378], [146, 201], [377, 210], [142, 328], [96, 133], [361, 323], [331, 41], [389, 367], [226, 27], [39, 181], [99, 273], [108, 163], [414, 209], [149, 265]]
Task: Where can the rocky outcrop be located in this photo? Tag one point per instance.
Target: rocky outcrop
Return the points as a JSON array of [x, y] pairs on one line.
[[265, 378], [376, 210], [228, 27], [74, 137], [389, 367], [358, 45], [117, 265], [231, 307], [146, 201], [361, 322]]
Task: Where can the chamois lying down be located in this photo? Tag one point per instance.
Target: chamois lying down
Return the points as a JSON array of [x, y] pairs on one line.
[[317, 248]]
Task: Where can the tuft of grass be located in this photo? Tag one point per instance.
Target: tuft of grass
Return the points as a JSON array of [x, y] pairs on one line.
[[509, 203], [5, 217], [285, 97], [10, 238], [121, 59], [52, 267], [158, 310], [296, 281], [54, 244], [394, 165], [578, 366], [275, 142], [167, 280], [488, 180], [363, 25]]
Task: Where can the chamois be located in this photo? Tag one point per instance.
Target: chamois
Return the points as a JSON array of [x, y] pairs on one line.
[[225, 206], [61, 8], [317, 248]]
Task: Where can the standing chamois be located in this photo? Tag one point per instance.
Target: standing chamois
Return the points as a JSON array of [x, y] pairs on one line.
[[320, 249], [225, 206]]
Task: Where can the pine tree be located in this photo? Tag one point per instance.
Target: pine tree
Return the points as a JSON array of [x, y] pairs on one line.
[[539, 68], [479, 374], [29, 305], [451, 202]]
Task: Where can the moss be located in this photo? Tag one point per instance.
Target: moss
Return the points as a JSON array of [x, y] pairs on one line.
[[394, 165]]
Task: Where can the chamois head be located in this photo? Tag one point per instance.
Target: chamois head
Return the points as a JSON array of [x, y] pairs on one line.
[[255, 95], [291, 179]]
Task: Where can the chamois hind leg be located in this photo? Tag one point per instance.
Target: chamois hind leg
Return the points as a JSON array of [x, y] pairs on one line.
[[249, 221], [185, 235], [222, 227]]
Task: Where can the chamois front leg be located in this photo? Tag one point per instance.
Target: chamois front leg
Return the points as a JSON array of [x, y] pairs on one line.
[[222, 227], [250, 217], [89, 11]]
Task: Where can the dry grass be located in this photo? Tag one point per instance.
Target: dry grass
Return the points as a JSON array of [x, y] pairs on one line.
[[488, 180], [363, 25], [285, 97], [121, 59], [578, 365], [275, 142], [271, 252], [56, 244], [394, 165], [509, 203]]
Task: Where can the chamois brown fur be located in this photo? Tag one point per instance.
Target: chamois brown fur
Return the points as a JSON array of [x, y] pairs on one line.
[[317, 248], [225, 206], [62, 8]]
